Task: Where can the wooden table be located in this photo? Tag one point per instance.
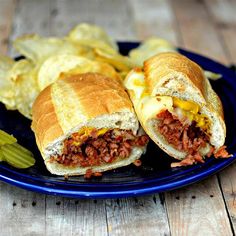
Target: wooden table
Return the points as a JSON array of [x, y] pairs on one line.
[[206, 208]]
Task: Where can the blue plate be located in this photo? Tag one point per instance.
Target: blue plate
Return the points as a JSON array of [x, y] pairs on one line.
[[155, 175]]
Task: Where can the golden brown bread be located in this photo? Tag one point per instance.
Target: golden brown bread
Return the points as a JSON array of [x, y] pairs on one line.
[[77, 102], [168, 63], [171, 65], [169, 75], [92, 95]]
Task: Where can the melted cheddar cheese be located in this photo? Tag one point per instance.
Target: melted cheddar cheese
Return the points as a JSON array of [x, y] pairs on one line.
[[148, 106], [86, 131], [191, 110]]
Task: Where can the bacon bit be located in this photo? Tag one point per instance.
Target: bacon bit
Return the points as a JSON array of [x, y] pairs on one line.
[[94, 133], [211, 151], [189, 160], [51, 159], [88, 174], [221, 152], [185, 140], [186, 137], [198, 158], [97, 174], [66, 177], [96, 151], [138, 69], [158, 99], [137, 163]]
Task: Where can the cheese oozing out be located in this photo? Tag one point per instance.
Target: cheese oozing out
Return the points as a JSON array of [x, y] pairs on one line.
[[87, 131], [150, 106]]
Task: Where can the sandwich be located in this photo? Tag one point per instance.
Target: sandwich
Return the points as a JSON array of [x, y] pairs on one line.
[[85, 124], [178, 108]]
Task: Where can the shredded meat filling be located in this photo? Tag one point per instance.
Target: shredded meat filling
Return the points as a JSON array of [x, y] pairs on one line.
[[96, 150], [186, 137]]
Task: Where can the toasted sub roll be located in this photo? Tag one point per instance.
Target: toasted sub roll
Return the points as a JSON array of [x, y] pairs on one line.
[[178, 108], [86, 123]]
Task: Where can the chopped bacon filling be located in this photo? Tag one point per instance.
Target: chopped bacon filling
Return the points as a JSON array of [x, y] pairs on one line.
[[186, 137], [96, 150]]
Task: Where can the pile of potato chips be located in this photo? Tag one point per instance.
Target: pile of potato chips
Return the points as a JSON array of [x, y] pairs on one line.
[[87, 48]]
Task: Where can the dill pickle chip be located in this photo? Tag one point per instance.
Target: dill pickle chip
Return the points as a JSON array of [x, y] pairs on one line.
[[21, 148], [6, 138], [17, 156]]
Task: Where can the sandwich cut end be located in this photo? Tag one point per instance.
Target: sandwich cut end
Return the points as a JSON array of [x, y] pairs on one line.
[[94, 125], [178, 109]]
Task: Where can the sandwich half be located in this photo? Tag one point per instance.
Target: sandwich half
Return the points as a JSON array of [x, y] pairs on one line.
[[178, 108], [86, 123]]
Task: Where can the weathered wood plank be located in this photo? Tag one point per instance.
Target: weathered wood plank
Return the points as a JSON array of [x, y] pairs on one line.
[[154, 18], [137, 216], [198, 210], [114, 16], [197, 30], [21, 212], [228, 185], [75, 217], [7, 9], [31, 16], [224, 17]]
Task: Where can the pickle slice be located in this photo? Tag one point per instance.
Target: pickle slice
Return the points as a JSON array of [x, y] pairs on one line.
[[6, 138], [17, 156]]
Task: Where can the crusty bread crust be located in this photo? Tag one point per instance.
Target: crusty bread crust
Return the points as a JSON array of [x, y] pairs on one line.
[[74, 100], [167, 65], [174, 75], [45, 122]]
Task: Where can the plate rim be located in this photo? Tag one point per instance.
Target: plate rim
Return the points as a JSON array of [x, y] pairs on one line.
[[148, 187]]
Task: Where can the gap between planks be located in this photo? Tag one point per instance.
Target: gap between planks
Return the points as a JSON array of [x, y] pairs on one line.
[[58, 17]]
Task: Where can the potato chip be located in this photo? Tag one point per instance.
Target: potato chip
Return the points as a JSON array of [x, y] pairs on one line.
[[54, 66], [95, 67], [92, 43], [51, 69], [20, 67], [92, 35], [121, 63], [6, 85], [149, 48], [87, 48], [211, 75], [38, 49], [25, 86]]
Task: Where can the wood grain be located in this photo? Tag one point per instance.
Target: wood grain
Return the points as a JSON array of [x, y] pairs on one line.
[[197, 31], [198, 210], [154, 18], [114, 16], [224, 18], [31, 16], [228, 185], [7, 9], [75, 217], [185, 213], [22, 212], [137, 216]]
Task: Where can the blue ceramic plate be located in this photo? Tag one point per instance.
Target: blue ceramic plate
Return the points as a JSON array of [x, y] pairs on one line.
[[155, 175]]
